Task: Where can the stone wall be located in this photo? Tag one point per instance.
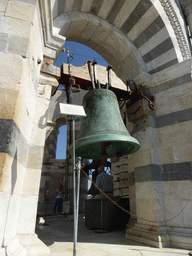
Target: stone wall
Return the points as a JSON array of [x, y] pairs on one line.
[[55, 172], [161, 170], [24, 99]]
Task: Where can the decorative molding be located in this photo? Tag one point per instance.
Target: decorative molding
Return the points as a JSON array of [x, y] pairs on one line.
[[53, 43], [172, 16]]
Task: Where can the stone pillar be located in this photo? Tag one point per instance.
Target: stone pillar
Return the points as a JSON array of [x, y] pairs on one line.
[[23, 109], [51, 141], [161, 170], [146, 190]]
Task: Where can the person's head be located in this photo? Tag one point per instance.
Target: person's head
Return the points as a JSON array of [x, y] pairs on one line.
[[100, 169]]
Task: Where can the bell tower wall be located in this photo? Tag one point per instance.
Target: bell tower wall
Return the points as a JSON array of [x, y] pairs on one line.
[[24, 96], [160, 172]]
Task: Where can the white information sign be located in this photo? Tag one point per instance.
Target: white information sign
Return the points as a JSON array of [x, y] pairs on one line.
[[71, 110]]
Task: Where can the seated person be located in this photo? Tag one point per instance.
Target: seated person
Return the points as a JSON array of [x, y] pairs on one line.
[[105, 183]]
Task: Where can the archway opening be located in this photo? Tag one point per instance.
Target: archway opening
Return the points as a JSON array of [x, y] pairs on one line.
[[61, 143]]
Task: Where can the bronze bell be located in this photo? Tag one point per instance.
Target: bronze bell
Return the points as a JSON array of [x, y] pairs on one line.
[[102, 131]]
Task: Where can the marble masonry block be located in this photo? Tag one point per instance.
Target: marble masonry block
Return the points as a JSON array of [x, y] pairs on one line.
[[24, 112], [143, 23], [44, 91], [174, 99], [15, 248], [116, 185], [27, 214], [17, 173], [105, 8], [117, 192], [12, 26], [18, 45], [159, 37], [124, 175], [4, 41], [173, 209], [177, 190], [171, 73], [187, 217], [4, 202], [79, 21], [125, 11], [35, 157], [121, 48], [11, 70], [8, 173], [172, 135], [145, 138], [31, 182], [20, 10], [86, 5], [182, 153], [180, 240], [40, 122], [27, 89], [148, 234], [61, 24], [162, 59], [48, 80], [132, 204], [166, 154], [12, 175], [90, 28], [8, 100], [150, 210], [187, 131], [3, 5], [149, 190], [131, 163], [132, 191], [129, 68], [3, 182], [12, 218], [69, 5], [125, 191], [102, 33], [33, 245], [142, 157]]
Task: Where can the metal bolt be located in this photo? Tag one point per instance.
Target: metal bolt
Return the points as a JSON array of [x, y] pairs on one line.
[[38, 61]]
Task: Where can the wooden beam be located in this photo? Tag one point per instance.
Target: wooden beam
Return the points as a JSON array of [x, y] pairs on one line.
[[50, 69], [82, 77]]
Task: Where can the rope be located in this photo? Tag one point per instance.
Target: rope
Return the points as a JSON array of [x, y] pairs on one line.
[[133, 215]]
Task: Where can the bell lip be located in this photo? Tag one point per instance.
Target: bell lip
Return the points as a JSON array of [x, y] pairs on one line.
[[104, 138]]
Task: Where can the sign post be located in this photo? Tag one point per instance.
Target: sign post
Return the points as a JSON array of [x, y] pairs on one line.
[[74, 110]]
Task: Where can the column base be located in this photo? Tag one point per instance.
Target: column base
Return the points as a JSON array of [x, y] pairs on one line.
[[26, 245], [181, 237], [147, 234]]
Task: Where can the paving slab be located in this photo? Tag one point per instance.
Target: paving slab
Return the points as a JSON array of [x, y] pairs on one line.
[[57, 234]]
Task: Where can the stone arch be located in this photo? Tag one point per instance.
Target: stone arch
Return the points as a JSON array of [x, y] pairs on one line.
[[117, 49], [155, 42], [146, 35]]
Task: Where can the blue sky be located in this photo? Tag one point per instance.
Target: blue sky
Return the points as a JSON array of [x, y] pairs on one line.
[[81, 54]]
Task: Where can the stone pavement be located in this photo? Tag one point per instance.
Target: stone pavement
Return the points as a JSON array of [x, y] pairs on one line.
[[58, 236]]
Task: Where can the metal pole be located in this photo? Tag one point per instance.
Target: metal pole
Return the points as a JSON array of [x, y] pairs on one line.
[[78, 187], [74, 194]]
